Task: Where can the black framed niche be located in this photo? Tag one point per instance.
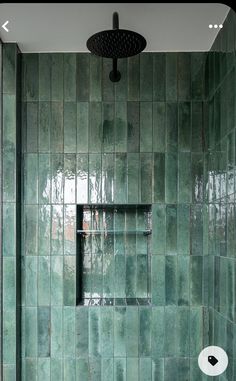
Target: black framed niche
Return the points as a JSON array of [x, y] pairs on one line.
[[113, 254]]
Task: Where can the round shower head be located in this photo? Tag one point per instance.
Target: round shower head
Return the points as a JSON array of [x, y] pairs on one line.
[[116, 43]]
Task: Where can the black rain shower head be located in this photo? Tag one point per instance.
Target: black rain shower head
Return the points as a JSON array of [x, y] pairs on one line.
[[116, 43]]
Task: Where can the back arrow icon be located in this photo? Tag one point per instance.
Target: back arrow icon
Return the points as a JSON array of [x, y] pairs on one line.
[[4, 26]]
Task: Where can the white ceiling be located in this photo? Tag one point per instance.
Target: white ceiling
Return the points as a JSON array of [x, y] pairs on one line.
[[65, 27]]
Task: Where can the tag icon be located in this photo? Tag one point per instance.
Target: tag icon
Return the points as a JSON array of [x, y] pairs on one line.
[[213, 360]]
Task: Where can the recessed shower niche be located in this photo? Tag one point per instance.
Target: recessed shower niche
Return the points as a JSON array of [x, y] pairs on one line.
[[113, 254]]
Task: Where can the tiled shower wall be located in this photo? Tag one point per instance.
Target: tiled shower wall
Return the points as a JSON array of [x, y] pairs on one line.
[[86, 140], [221, 92]]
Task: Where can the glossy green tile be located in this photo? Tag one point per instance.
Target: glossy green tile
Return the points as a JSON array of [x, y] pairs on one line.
[[121, 87], [186, 187], [120, 183], [157, 332], [44, 281], [30, 71], [107, 369], [69, 177], [184, 126], [183, 280], [96, 127], [171, 280], [145, 319], [133, 177], [146, 127], [171, 127], [9, 372], [196, 268], [132, 331], [159, 177], [30, 122], [8, 176], [95, 178], [171, 76], [133, 117], [31, 339], [97, 275], [44, 76], [31, 369], [31, 281], [8, 244], [44, 229], [158, 369], [69, 332], [30, 229], [146, 76], [95, 92], [159, 126], [120, 369], [95, 368], [44, 124], [119, 281], [31, 178], [9, 335], [108, 276], [9, 122], [145, 369], [197, 177], [171, 173], [57, 76], [142, 276], [196, 230], [159, 229], [195, 315], [56, 369], [171, 230], [82, 369], [82, 126], [170, 331], [133, 78], [120, 126], [132, 368], [184, 76], [70, 121], [108, 128], [43, 331], [131, 274], [9, 282], [108, 161], [159, 74], [197, 133], [69, 76], [69, 283], [158, 280], [108, 87], [183, 332], [197, 75], [56, 332], [119, 332], [57, 178], [70, 369], [146, 166], [44, 177], [9, 67], [69, 230], [82, 332], [56, 280], [94, 331], [56, 137], [107, 332], [57, 230]]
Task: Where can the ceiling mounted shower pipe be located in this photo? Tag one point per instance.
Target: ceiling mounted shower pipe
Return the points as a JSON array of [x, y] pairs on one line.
[[116, 43]]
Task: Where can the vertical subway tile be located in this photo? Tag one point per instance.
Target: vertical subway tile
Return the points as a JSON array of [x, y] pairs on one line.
[[30, 123], [198, 143], [95, 178], [108, 178], [69, 76], [82, 126], [44, 77], [44, 229], [133, 78], [159, 177], [108, 87], [56, 138], [9, 282], [196, 268], [9, 335], [43, 369], [183, 331], [43, 281], [133, 143], [56, 277], [184, 76], [30, 69], [31, 369], [94, 331], [157, 332], [171, 230], [119, 280], [107, 332], [44, 179], [31, 281], [121, 87], [8, 176], [43, 331], [95, 93], [108, 131], [82, 369], [171, 127], [69, 178], [196, 230], [56, 369], [9, 121], [82, 77], [31, 332], [145, 316], [159, 75], [142, 276], [132, 368], [157, 369], [69, 332], [82, 332], [119, 332], [120, 369], [159, 126], [70, 121], [159, 229], [31, 178], [145, 369], [44, 123], [95, 127], [158, 280], [146, 177], [120, 186], [69, 230], [171, 178], [195, 330], [30, 229], [120, 126], [184, 126], [197, 75], [146, 76], [133, 177], [146, 127], [183, 229], [8, 229], [57, 76], [9, 67], [57, 230], [170, 331], [70, 369], [197, 177], [132, 331], [171, 76], [56, 332], [69, 280], [184, 177], [131, 274], [171, 280]]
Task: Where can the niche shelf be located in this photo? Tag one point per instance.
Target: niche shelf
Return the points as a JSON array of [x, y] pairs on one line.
[[113, 255]]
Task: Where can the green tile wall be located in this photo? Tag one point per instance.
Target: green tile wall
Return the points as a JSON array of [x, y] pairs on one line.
[[220, 183]]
